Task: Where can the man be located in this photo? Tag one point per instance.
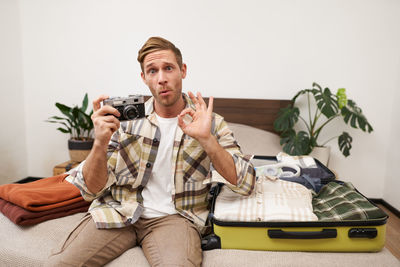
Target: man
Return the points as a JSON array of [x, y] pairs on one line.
[[149, 178]]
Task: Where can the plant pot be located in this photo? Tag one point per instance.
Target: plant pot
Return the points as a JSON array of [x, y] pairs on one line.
[[79, 149], [322, 154]]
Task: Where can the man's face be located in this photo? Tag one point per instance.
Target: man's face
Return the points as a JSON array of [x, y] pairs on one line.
[[161, 73]]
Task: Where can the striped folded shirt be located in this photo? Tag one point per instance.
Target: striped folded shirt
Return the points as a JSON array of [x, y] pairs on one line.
[[272, 200]]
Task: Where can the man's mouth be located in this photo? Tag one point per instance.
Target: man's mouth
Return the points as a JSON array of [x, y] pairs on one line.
[[164, 92]]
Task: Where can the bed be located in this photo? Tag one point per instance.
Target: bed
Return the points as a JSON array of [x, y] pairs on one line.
[[30, 246]]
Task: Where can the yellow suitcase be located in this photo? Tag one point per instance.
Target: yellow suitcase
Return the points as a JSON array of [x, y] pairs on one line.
[[335, 236], [351, 236]]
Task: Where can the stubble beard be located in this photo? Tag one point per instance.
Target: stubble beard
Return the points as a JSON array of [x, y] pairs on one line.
[[169, 101]]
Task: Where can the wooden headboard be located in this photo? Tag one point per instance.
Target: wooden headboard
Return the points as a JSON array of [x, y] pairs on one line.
[[259, 113]]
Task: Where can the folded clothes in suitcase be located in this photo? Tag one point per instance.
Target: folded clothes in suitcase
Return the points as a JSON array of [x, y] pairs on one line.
[[295, 214]]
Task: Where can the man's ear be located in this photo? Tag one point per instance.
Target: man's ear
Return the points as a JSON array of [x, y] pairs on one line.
[[143, 78], [183, 70]]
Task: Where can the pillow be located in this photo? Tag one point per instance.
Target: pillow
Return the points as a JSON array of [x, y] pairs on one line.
[[254, 141]]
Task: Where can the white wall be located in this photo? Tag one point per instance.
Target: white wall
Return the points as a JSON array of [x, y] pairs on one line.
[[392, 181], [13, 159], [253, 49]]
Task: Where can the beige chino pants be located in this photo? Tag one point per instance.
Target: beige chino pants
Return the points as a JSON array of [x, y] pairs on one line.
[[166, 241]]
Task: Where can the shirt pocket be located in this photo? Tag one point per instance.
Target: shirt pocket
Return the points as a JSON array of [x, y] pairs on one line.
[[195, 161], [128, 161]]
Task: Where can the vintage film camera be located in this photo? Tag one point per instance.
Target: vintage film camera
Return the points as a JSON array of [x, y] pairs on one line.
[[130, 108]]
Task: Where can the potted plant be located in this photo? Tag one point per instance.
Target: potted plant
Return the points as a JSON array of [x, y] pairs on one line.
[[328, 107], [79, 125]]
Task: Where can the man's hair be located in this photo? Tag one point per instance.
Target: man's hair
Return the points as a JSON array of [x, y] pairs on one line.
[[154, 44]]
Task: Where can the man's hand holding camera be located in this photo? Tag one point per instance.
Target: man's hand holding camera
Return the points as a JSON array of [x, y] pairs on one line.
[[104, 125], [95, 169]]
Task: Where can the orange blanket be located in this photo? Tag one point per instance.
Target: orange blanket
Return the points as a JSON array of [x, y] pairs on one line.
[[43, 194], [21, 216]]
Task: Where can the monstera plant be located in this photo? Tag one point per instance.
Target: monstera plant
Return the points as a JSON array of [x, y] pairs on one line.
[[78, 124], [328, 107]]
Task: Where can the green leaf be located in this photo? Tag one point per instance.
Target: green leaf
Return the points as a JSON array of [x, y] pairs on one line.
[[65, 110], [287, 136], [353, 114], [331, 106], [302, 92], [344, 142], [58, 118], [85, 103], [287, 118], [313, 142], [317, 85], [85, 119], [63, 123], [326, 102], [77, 122], [341, 97], [296, 144], [64, 130]]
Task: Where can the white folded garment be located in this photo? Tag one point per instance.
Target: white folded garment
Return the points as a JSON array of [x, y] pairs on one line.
[[272, 200], [301, 161]]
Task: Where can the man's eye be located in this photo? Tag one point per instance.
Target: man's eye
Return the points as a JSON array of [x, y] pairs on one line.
[[151, 71], [168, 68]]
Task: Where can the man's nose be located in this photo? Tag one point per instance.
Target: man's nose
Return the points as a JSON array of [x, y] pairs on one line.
[[162, 77]]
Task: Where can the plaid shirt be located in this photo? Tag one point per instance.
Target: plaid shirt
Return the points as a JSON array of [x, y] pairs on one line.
[[336, 202], [131, 154]]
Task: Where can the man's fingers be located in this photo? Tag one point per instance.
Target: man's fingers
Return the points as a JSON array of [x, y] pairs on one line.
[[105, 126], [193, 98], [112, 126], [201, 100], [101, 120], [105, 111], [189, 111], [210, 105], [104, 116], [181, 122], [198, 100], [191, 95], [97, 101], [110, 118]]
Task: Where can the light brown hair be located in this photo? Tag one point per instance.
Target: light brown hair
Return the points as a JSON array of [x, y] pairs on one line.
[[154, 44]]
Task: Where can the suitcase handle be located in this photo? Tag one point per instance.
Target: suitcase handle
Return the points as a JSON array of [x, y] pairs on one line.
[[325, 233]]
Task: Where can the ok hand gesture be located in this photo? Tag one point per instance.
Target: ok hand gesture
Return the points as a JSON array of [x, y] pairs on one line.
[[200, 127]]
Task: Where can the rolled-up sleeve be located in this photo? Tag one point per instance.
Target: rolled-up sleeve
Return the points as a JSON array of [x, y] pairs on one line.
[[76, 176], [244, 168]]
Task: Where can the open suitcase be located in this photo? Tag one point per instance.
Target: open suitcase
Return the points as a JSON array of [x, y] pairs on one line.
[[335, 236]]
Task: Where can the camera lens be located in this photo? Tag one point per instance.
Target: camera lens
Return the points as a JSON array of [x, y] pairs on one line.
[[130, 112]]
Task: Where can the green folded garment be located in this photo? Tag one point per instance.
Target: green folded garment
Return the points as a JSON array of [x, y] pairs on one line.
[[336, 202]]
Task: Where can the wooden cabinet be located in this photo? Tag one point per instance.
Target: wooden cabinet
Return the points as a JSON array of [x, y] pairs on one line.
[[64, 167]]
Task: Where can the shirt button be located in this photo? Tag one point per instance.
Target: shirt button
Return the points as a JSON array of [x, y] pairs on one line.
[[129, 220], [148, 165], [155, 140]]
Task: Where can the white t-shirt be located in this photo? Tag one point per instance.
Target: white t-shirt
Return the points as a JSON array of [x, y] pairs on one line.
[[157, 196]]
